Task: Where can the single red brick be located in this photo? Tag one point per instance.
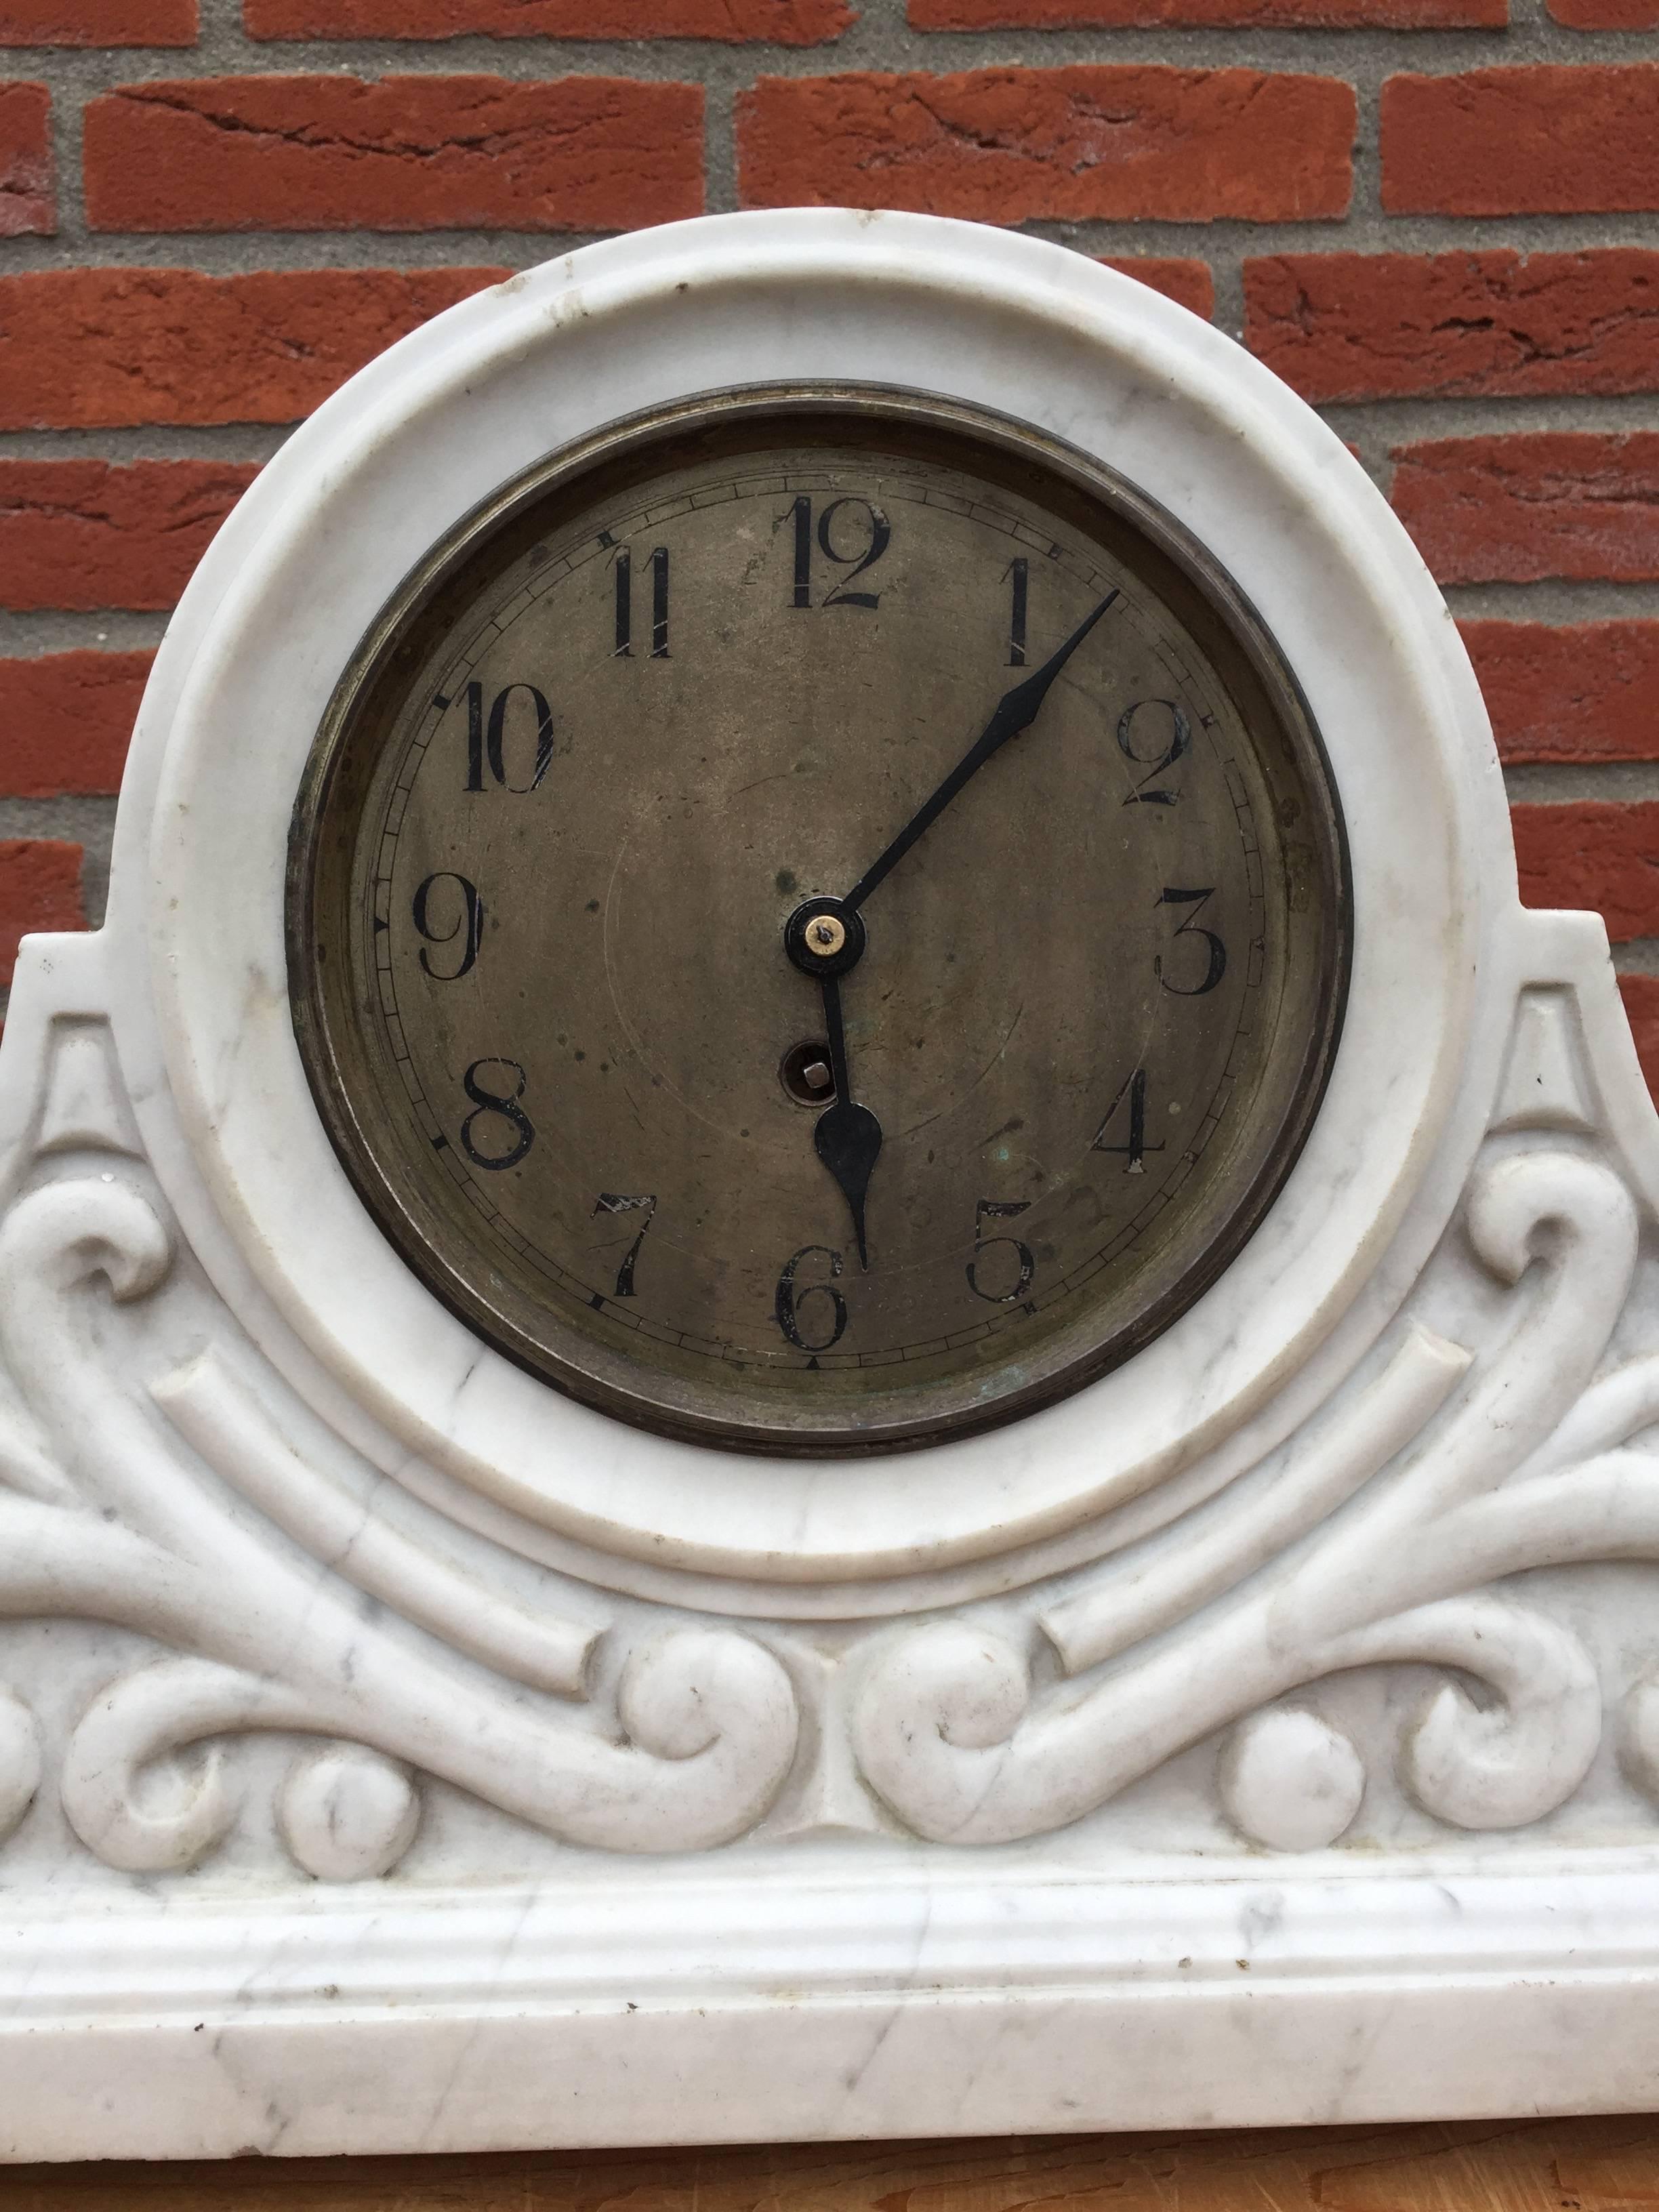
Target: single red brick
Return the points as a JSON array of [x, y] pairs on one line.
[[1548, 139], [399, 153], [1515, 510], [1596, 853], [90, 349], [27, 191], [1189, 284], [97, 22], [734, 22], [81, 534], [1641, 996], [1498, 323], [39, 889], [1606, 14], [1006, 145], [1265, 14], [1586, 691], [67, 718]]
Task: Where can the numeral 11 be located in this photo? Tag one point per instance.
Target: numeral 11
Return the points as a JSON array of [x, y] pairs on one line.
[[658, 603]]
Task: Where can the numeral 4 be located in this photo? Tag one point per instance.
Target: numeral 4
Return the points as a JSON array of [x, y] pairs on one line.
[[1133, 1098]]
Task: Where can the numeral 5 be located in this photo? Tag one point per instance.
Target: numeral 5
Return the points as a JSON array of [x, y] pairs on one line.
[[996, 1209]]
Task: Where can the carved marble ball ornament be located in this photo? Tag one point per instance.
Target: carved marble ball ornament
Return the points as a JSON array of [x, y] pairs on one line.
[[817, 1320]]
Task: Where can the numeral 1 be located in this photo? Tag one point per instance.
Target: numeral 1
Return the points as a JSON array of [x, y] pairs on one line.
[[658, 603], [1134, 1091], [1019, 573]]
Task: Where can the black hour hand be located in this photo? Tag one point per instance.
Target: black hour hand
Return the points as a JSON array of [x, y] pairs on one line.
[[846, 1136]]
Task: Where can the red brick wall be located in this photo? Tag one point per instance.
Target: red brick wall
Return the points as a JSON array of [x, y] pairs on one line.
[[1434, 218]]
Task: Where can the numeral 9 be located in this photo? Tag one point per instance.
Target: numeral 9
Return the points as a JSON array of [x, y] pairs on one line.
[[468, 925]]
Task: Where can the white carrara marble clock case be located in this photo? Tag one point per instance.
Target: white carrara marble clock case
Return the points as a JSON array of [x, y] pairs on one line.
[[395, 1754]]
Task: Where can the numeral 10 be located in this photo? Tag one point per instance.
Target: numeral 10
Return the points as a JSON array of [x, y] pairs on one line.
[[486, 737]]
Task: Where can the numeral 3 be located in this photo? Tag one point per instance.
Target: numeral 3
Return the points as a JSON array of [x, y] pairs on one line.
[[1216, 964]]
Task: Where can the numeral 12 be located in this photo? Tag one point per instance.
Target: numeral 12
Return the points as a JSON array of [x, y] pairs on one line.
[[876, 529]]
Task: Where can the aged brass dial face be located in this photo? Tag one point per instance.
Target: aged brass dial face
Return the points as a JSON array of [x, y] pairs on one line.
[[818, 923]]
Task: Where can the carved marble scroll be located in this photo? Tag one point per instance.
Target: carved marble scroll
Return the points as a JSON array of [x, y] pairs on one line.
[[1504, 1425]]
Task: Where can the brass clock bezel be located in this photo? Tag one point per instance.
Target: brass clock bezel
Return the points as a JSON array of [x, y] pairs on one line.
[[319, 865]]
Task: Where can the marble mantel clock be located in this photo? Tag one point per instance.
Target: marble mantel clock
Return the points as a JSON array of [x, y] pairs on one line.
[[817, 1320]]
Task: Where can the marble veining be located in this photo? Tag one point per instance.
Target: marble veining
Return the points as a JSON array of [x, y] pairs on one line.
[[395, 1754]]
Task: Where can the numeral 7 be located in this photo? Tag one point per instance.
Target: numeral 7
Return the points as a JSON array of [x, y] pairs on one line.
[[613, 1201]]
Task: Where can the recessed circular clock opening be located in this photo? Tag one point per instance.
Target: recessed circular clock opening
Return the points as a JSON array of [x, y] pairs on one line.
[[818, 745]]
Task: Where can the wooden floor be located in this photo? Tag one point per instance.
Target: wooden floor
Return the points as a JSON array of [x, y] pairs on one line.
[[1534, 2165]]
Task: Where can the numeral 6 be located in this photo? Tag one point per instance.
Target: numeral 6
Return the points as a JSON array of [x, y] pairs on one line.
[[793, 1299]]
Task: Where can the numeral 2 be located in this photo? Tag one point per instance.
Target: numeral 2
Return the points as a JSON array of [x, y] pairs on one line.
[[468, 925], [1133, 1094], [1216, 966], [877, 530], [486, 740], [658, 603], [614, 1201], [1180, 731]]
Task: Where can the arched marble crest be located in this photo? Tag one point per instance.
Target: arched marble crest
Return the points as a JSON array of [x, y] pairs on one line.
[[1345, 1575]]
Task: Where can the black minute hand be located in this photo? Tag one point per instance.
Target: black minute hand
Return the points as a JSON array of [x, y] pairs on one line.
[[1015, 711]]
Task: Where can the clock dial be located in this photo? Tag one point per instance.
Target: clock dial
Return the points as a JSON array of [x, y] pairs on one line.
[[818, 924]]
